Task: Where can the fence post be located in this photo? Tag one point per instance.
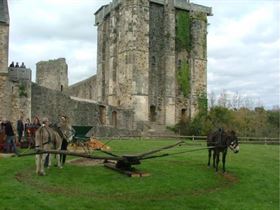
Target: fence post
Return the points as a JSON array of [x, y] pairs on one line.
[[193, 138], [265, 140]]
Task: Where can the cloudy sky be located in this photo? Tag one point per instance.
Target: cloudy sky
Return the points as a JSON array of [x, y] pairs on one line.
[[243, 42]]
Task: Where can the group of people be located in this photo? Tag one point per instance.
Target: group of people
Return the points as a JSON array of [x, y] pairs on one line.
[[17, 65], [25, 132]]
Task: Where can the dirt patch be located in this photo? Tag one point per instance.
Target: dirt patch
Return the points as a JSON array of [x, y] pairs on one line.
[[228, 181], [86, 162]]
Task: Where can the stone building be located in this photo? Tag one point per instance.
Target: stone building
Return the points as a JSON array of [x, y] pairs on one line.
[[151, 70], [152, 57]]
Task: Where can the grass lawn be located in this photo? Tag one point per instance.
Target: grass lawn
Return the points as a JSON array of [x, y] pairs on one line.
[[177, 182]]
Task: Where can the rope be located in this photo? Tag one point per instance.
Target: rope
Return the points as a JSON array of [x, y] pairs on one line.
[[193, 150]]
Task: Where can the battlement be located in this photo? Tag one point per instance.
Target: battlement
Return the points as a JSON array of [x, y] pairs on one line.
[[105, 10], [19, 74]]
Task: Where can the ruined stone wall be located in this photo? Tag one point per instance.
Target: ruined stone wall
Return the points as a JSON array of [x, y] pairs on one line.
[[84, 89], [152, 57], [51, 103], [52, 74]]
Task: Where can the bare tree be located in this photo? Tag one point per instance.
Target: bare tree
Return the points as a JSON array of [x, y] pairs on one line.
[[212, 99], [223, 99]]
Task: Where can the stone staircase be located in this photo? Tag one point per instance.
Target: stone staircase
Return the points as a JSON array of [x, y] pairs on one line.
[[154, 129]]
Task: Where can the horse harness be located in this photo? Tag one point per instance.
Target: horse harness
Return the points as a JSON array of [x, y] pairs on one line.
[[49, 138]]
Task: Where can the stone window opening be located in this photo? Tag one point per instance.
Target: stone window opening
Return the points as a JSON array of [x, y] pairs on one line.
[[153, 60], [114, 119], [61, 88], [153, 113]]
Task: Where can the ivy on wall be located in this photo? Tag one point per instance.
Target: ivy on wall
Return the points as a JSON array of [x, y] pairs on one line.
[[202, 104], [183, 30], [22, 90], [183, 77]]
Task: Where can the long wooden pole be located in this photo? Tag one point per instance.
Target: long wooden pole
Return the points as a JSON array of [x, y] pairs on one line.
[[64, 152]]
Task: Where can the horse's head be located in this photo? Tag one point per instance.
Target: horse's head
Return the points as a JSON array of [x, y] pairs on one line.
[[232, 142]]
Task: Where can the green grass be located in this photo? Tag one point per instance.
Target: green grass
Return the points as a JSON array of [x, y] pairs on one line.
[[176, 182]]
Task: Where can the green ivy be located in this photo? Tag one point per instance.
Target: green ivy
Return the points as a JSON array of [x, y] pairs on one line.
[[183, 77], [22, 90], [200, 16], [202, 104], [183, 30]]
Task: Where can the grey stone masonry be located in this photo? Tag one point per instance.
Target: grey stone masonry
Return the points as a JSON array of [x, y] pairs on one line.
[[4, 12], [179, 4], [52, 74], [141, 50]]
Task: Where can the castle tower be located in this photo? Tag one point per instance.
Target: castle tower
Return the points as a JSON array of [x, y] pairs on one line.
[[52, 74], [152, 58], [123, 55], [5, 90]]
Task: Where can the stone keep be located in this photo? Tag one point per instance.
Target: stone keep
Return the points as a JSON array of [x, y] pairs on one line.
[[52, 74], [152, 57]]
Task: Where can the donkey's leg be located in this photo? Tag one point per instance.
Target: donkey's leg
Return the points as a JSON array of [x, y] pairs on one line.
[[209, 157], [224, 160], [214, 158], [42, 169], [217, 160], [37, 161], [57, 156], [50, 160]]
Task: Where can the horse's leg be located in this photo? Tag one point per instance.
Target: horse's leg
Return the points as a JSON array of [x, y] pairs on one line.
[[224, 160], [209, 157], [217, 160]]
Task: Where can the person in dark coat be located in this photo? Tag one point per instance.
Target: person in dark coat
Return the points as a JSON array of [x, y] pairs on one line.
[[20, 128], [12, 64], [10, 139]]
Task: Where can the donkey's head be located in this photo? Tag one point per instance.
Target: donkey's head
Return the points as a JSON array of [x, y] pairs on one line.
[[232, 141]]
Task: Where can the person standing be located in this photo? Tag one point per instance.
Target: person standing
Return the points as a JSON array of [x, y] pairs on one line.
[[20, 128], [10, 137]]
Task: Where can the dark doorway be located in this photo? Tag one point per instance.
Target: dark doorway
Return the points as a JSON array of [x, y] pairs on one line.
[[153, 113], [184, 115]]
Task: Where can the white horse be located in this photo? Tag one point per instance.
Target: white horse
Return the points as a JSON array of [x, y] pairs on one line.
[[46, 138]]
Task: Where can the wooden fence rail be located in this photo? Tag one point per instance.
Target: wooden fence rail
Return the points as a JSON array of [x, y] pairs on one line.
[[242, 140]]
